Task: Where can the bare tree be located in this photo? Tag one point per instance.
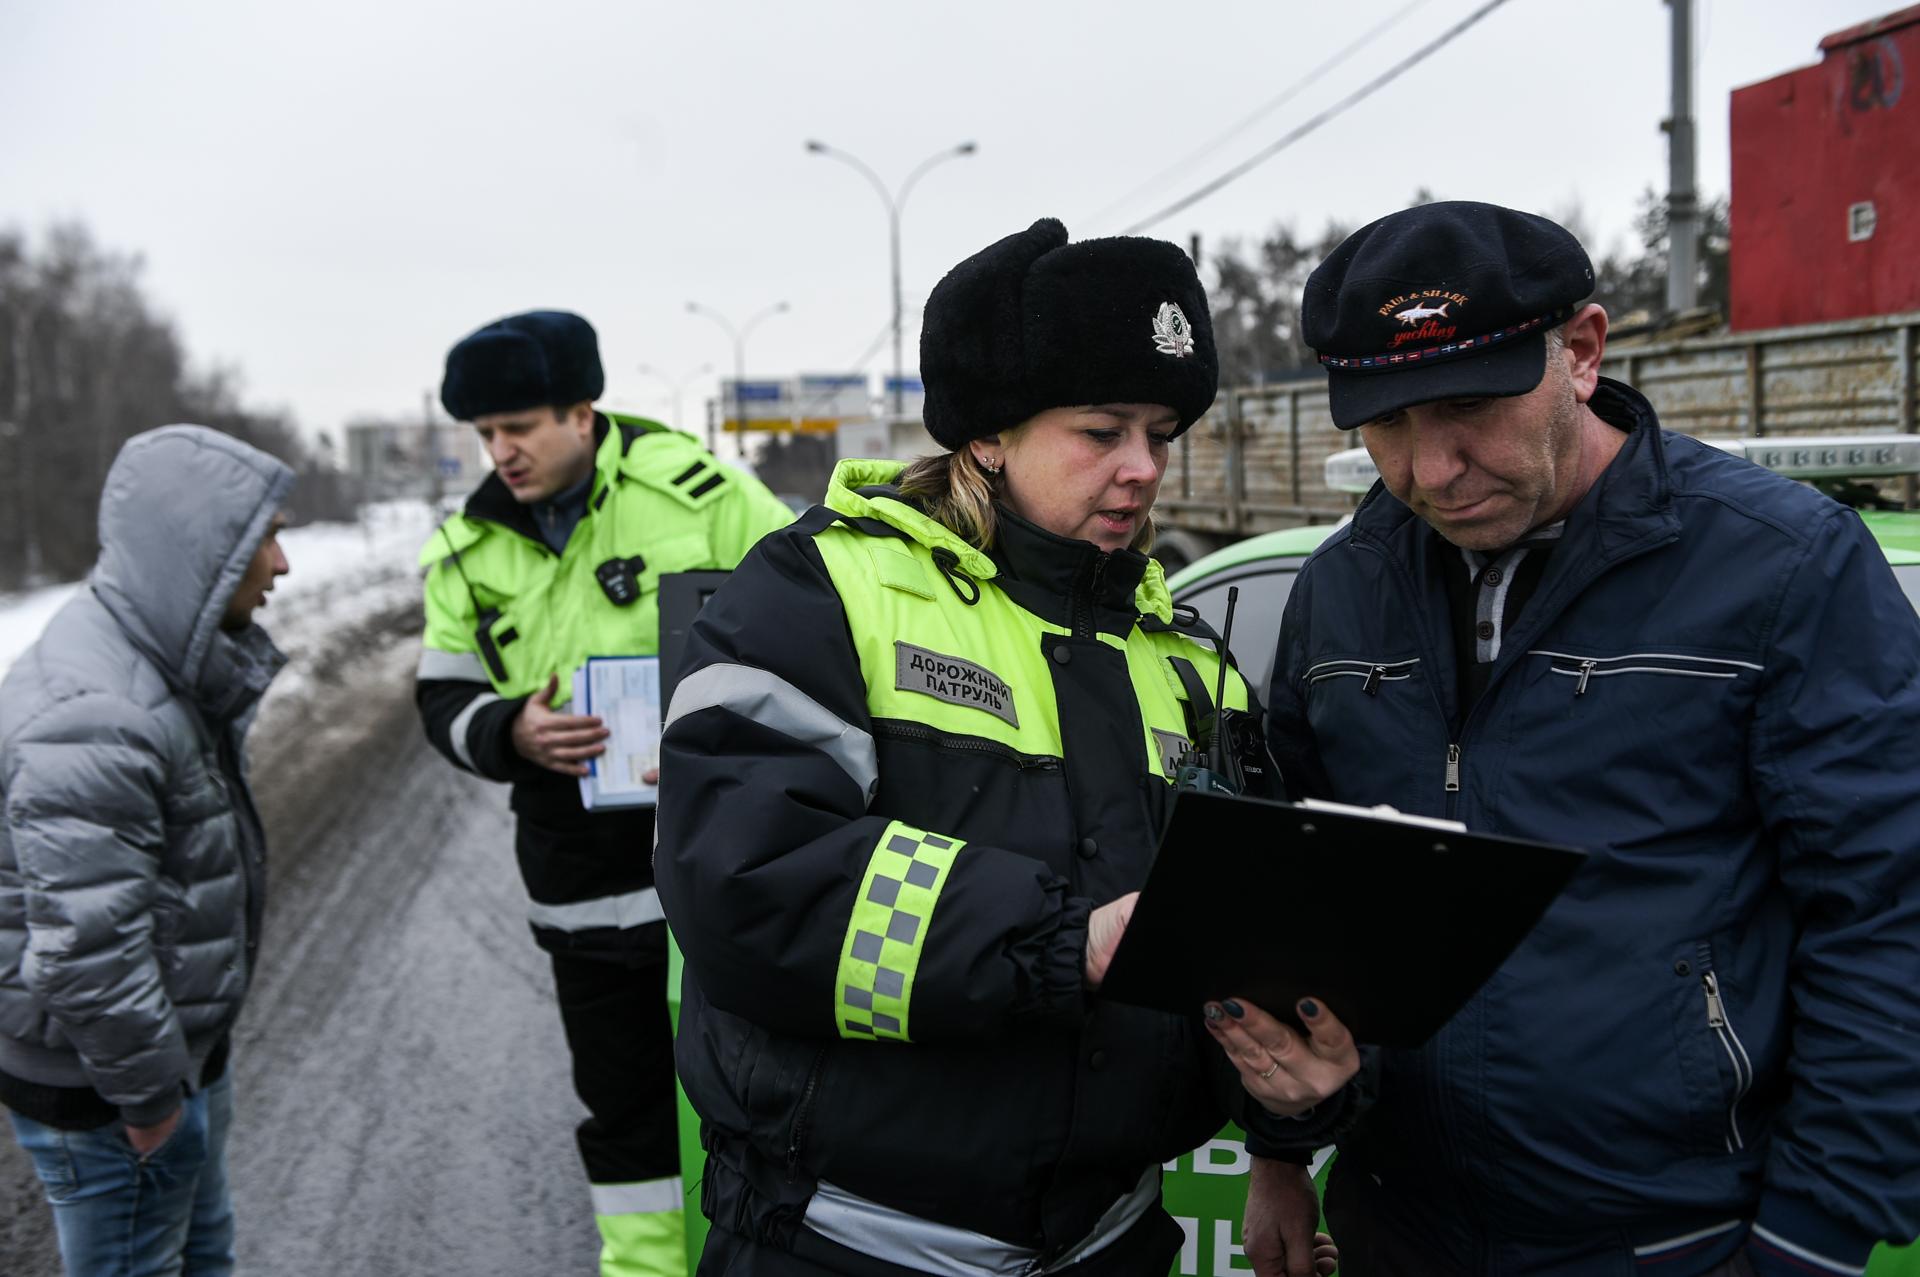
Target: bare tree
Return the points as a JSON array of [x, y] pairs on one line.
[[86, 363], [1255, 300]]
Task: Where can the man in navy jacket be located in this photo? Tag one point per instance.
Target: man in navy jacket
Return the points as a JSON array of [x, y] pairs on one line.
[[1552, 619]]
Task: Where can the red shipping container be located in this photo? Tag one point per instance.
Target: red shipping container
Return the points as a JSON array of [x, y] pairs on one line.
[[1826, 183]]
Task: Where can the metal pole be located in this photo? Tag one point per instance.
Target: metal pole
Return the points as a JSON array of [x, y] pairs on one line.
[[739, 338], [739, 396], [893, 229], [433, 449], [676, 386], [895, 202], [1683, 203]]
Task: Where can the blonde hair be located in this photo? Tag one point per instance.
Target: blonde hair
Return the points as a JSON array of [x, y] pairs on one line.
[[956, 492]]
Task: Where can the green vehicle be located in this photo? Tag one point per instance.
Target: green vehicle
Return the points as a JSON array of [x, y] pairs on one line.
[[1263, 568]]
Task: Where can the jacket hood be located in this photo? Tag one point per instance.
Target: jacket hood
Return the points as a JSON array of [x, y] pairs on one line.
[[866, 490], [183, 511]]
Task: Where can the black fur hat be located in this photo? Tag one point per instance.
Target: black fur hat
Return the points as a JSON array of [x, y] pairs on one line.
[[544, 358], [1034, 322]]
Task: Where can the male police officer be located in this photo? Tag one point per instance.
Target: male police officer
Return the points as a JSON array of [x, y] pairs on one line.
[[555, 558], [1595, 632]]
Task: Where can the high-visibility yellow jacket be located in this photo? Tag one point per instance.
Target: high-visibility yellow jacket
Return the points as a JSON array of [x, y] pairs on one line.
[[504, 613], [899, 774]]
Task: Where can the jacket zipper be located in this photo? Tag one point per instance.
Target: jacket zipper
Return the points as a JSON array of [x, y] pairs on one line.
[[897, 730], [1084, 603], [1451, 781], [797, 1134], [1736, 1055]]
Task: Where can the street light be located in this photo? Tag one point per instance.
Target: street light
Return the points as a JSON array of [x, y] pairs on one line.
[[894, 203], [675, 384], [739, 336]]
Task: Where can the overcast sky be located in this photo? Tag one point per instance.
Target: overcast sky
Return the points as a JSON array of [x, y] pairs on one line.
[[327, 196]]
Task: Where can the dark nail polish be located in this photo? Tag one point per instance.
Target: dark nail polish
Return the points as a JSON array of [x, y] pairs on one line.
[[1212, 1011], [1309, 1008], [1234, 1009]]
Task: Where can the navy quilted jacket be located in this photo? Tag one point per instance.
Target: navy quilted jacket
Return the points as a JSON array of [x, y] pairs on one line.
[[1716, 690]]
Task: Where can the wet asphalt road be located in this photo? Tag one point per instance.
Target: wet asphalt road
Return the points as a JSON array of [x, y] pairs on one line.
[[402, 1096]]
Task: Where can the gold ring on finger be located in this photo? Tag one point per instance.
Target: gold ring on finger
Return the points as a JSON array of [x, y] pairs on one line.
[[1271, 1069]]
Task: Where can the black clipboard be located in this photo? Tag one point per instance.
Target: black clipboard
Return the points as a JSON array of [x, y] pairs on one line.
[[1393, 924], [682, 595]]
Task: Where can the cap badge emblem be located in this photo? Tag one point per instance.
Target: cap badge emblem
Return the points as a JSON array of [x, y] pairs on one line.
[[1171, 335], [1414, 314]]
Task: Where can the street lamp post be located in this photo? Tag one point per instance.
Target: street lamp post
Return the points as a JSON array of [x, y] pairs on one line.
[[739, 336], [676, 385], [894, 202]]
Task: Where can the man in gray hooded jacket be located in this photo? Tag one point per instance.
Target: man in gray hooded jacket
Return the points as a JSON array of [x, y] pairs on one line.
[[132, 862]]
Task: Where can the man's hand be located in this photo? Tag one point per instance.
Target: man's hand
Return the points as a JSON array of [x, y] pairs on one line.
[[1288, 1074], [1278, 1229], [558, 742], [145, 1139], [1104, 929]]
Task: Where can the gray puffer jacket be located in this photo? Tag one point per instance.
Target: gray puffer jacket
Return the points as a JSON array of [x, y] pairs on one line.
[[132, 865]]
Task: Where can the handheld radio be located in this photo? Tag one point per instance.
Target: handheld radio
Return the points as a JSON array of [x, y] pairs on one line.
[[1229, 753]]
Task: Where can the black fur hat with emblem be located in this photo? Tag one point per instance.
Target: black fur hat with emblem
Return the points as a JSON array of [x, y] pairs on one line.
[[543, 358], [1444, 301], [1033, 322]]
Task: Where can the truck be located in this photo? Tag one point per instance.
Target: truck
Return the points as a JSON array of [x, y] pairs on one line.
[[1257, 461]]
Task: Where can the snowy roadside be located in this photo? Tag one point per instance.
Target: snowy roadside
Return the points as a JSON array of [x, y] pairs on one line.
[[346, 578]]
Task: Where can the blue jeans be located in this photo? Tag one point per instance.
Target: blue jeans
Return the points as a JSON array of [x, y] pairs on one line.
[[120, 1215]]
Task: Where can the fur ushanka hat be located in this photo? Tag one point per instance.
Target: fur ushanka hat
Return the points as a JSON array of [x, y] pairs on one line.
[[543, 358], [1033, 322]]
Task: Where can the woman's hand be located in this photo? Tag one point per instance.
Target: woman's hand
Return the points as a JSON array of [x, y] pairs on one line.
[[1288, 1074], [1104, 929]]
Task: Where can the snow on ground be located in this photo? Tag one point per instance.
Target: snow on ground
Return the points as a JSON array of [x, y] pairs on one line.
[[24, 615], [344, 576]]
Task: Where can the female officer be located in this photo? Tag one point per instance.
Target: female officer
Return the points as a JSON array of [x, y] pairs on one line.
[[913, 779]]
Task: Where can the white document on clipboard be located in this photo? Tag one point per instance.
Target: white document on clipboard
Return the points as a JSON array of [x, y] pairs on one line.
[[623, 692]]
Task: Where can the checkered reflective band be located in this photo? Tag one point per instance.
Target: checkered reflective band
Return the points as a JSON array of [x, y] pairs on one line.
[[1465, 346], [888, 930]]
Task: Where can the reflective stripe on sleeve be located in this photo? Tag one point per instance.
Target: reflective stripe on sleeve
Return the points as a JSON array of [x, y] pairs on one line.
[[645, 1197], [457, 733], [888, 930], [435, 663], [634, 909], [771, 701]]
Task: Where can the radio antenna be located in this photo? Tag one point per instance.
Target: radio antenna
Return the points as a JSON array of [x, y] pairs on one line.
[[1217, 747]]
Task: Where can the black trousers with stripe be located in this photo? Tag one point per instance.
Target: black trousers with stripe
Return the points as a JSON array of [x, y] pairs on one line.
[[611, 981], [614, 1010]]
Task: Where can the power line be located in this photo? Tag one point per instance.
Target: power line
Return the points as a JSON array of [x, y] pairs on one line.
[[1164, 176], [1352, 99]]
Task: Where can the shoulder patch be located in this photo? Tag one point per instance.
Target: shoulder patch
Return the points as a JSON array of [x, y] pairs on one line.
[[673, 464]]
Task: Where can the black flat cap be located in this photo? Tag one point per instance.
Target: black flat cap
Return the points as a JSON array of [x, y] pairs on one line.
[[1032, 322], [543, 358], [1444, 301]]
